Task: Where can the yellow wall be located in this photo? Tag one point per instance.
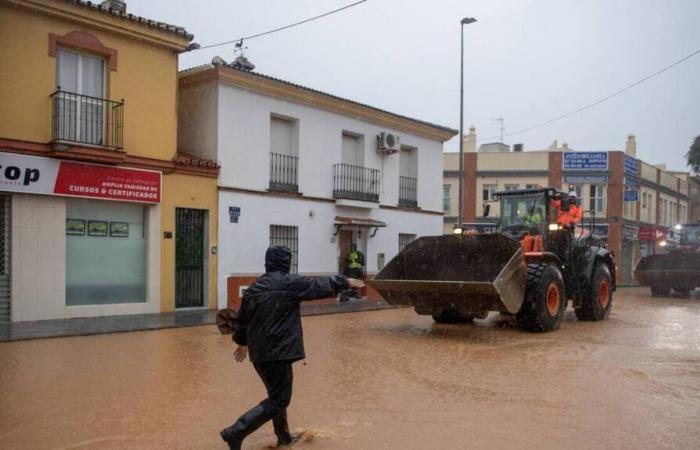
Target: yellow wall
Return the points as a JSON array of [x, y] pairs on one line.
[[146, 78], [184, 191], [513, 160]]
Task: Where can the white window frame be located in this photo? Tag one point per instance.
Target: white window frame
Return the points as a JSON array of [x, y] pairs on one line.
[[596, 198], [446, 197], [491, 188]]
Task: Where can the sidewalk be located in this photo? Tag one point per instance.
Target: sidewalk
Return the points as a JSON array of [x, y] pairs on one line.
[[16, 331]]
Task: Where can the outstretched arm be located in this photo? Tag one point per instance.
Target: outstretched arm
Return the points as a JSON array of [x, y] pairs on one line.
[[307, 288]]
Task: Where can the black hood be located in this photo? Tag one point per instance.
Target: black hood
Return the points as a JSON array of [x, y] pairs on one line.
[[278, 258]]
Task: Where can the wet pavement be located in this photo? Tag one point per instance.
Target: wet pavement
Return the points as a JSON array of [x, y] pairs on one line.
[[374, 380]]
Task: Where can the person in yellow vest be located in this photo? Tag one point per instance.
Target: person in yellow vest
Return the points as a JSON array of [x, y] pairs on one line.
[[354, 268]]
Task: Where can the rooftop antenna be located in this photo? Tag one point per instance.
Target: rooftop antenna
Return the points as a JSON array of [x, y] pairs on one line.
[[500, 121]]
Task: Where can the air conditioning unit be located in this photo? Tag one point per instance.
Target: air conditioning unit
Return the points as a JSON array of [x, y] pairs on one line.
[[388, 143]]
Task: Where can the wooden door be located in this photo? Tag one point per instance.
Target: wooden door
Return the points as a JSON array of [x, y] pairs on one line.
[[344, 243]]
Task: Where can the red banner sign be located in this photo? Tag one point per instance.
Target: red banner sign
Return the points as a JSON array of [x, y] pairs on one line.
[[34, 175], [651, 233]]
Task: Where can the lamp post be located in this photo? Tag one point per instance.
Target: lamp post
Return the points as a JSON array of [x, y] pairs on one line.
[[460, 219]]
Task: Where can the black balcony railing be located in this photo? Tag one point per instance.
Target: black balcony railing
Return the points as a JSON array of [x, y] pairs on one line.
[[355, 183], [283, 172], [87, 120], [408, 191]]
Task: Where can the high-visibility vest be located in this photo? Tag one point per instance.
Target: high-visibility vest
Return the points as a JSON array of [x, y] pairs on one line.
[[354, 260]]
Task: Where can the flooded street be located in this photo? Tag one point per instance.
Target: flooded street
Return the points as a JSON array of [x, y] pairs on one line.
[[376, 380]]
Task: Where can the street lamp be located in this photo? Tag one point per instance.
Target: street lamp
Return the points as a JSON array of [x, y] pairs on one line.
[[460, 219]]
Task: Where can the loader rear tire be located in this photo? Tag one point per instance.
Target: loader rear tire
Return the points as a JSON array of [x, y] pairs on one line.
[[658, 290], [545, 300], [597, 303], [682, 290]]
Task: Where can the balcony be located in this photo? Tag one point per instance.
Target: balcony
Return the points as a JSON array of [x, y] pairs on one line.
[[408, 192], [87, 121], [283, 172], [355, 183]]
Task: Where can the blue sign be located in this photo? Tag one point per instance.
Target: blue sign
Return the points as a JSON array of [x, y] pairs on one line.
[[585, 161], [631, 196], [234, 212], [630, 165], [631, 182], [586, 179]]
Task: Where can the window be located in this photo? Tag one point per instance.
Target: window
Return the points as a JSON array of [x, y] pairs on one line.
[[532, 186], [512, 187], [408, 176], [80, 108], [289, 237], [405, 239], [488, 190], [105, 252], [284, 149], [597, 198], [446, 197], [352, 149]]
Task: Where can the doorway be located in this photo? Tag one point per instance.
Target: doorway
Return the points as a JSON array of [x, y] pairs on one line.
[[345, 245], [190, 257], [5, 240]]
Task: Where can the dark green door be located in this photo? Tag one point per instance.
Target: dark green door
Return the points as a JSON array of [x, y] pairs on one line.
[[190, 257]]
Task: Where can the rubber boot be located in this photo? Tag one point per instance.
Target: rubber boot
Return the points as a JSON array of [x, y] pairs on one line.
[[284, 437], [246, 424]]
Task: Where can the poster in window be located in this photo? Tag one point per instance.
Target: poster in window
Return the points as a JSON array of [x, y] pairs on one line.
[[75, 227], [97, 228], [119, 229]]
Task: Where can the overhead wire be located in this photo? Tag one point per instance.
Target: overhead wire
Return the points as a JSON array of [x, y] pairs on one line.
[[602, 100], [264, 33]]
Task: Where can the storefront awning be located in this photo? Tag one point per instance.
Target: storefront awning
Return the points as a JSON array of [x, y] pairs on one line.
[[370, 223]]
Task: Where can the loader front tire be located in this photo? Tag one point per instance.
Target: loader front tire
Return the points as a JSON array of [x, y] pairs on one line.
[[545, 300], [597, 303]]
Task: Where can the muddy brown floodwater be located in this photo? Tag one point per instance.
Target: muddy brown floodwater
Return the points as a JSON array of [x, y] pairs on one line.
[[374, 380]]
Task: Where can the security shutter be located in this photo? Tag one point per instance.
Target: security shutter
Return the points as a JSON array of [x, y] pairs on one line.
[[5, 245]]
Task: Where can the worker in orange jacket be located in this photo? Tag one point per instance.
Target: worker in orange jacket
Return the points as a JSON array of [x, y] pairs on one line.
[[574, 215]]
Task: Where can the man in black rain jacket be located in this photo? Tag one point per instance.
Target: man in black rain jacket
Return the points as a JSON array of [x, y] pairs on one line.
[[269, 327]]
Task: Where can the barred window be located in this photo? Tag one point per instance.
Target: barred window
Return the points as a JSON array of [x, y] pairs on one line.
[[289, 237], [405, 239]]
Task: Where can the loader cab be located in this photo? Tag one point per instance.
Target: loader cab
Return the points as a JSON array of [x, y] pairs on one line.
[[528, 211]]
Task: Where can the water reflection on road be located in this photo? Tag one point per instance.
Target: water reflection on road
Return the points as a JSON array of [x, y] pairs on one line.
[[387, 379]]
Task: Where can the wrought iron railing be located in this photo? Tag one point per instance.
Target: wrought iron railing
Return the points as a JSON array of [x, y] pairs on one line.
[[283, 172], [408, 191], [84, 119], [355, 183]]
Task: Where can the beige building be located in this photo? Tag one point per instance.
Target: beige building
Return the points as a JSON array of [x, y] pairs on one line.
[[628, 202]]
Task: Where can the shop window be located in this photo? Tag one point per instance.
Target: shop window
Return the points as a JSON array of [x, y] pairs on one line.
[[289, 237], [105, 252], [405, 239]]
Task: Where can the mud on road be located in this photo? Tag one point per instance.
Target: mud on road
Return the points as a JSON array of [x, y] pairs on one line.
[[375, 380]]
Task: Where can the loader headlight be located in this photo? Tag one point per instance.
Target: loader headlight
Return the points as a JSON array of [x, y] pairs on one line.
[[662, 244], [554, 227], [678, 227], [457, 230]]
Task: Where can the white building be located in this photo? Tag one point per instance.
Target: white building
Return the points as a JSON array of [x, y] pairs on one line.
[[302, 168]]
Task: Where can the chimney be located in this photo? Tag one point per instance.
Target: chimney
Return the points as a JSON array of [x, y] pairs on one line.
[[470, 141], [114, 5], [518, 147], [565, 146], [631, 146]]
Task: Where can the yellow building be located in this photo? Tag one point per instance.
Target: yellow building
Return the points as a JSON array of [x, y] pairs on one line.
[[99, 214]]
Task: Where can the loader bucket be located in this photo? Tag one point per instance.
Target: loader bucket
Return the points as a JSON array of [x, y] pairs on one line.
[[670, 269], [470, 273]]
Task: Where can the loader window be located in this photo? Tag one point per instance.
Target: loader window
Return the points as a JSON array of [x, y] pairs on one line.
[[529, 211], [690, 235]]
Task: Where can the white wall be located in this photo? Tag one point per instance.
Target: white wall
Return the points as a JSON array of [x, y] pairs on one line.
[[38, 268], [244, 146], [242, 245]]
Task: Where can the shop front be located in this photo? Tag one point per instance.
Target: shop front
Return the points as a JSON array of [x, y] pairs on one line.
[[79, 240]]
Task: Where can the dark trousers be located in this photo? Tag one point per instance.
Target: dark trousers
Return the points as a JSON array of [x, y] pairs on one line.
[[277, 376]]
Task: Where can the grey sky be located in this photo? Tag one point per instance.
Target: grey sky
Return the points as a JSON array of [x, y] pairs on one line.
[[525, 60]]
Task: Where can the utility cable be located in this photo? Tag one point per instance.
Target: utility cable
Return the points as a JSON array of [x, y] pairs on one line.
[[310, 19], [604, 99]]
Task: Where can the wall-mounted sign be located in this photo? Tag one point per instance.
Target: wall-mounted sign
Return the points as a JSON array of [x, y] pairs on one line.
[[631, 182], [234, 212], [585, 179], [631, 196], [36, 175], [651, 233], [629, 232], [630, 165], [585, 161]]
